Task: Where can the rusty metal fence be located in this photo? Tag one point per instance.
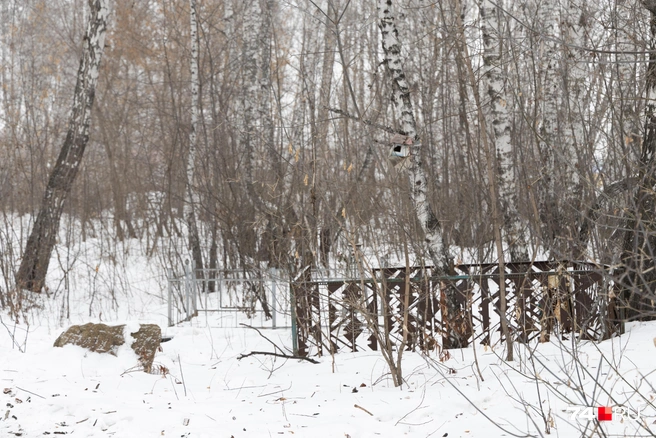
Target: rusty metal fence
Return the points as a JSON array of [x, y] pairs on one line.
[[543, 299]]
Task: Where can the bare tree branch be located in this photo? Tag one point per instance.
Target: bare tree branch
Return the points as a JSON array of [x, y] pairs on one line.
[[364, 122], [286, 356]]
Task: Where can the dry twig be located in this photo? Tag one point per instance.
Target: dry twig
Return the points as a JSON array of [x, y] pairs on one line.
[[283, 355], [360, 407]]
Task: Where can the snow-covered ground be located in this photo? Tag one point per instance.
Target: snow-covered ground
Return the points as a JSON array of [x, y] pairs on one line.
[[204, 390]]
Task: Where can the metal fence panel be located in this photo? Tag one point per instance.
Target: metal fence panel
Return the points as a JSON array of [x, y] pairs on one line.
[[543, 298], [229, 297]]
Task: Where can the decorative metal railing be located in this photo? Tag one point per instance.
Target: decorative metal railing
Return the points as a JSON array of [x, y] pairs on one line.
[[543, 299]]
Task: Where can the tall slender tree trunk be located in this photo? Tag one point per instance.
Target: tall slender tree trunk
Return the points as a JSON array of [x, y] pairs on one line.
[[327, 68], [276, 250], [548, 132], [506, 224], [403, 105], [498, 118], [574, 136], [264, 96], [416, 174], [190, 192], [250, 94], [34, 265]]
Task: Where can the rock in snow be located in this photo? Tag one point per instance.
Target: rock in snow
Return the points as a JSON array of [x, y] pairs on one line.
[[102, 338]]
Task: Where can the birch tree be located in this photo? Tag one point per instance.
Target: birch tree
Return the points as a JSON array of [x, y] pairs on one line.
[[490, 151], [36, 258], [321, 135], [574, 136], [550, 101], [256, 129], [402, 103], [190, 192], [251, 91], [499, 118]]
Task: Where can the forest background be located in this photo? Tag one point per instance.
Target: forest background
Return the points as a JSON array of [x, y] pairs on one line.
[[531, 131]]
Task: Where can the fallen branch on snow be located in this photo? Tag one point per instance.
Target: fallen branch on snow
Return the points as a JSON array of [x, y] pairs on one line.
[[285, 356], [360, 407], [275, 347]]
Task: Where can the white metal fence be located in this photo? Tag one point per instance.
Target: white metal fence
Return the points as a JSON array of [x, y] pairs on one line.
[[227, 298]]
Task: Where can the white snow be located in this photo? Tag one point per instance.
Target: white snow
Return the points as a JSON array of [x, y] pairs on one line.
[[208, 392], [204, 390]]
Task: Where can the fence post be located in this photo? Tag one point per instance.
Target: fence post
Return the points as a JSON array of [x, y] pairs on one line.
[[187, 287], [602, 309], [292, 304], [220, 289], [274, 301], [170, 301], [194, 289]]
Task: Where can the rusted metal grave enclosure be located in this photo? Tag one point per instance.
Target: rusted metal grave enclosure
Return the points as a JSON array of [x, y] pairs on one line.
[[543, 298]]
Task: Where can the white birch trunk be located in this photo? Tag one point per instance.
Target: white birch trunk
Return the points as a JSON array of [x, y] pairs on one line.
[[578, 72], [452, 311], [251, 91], [498, 118], [574, 136], [191, 157], [190, 192], [490, 160], [403, 105]]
